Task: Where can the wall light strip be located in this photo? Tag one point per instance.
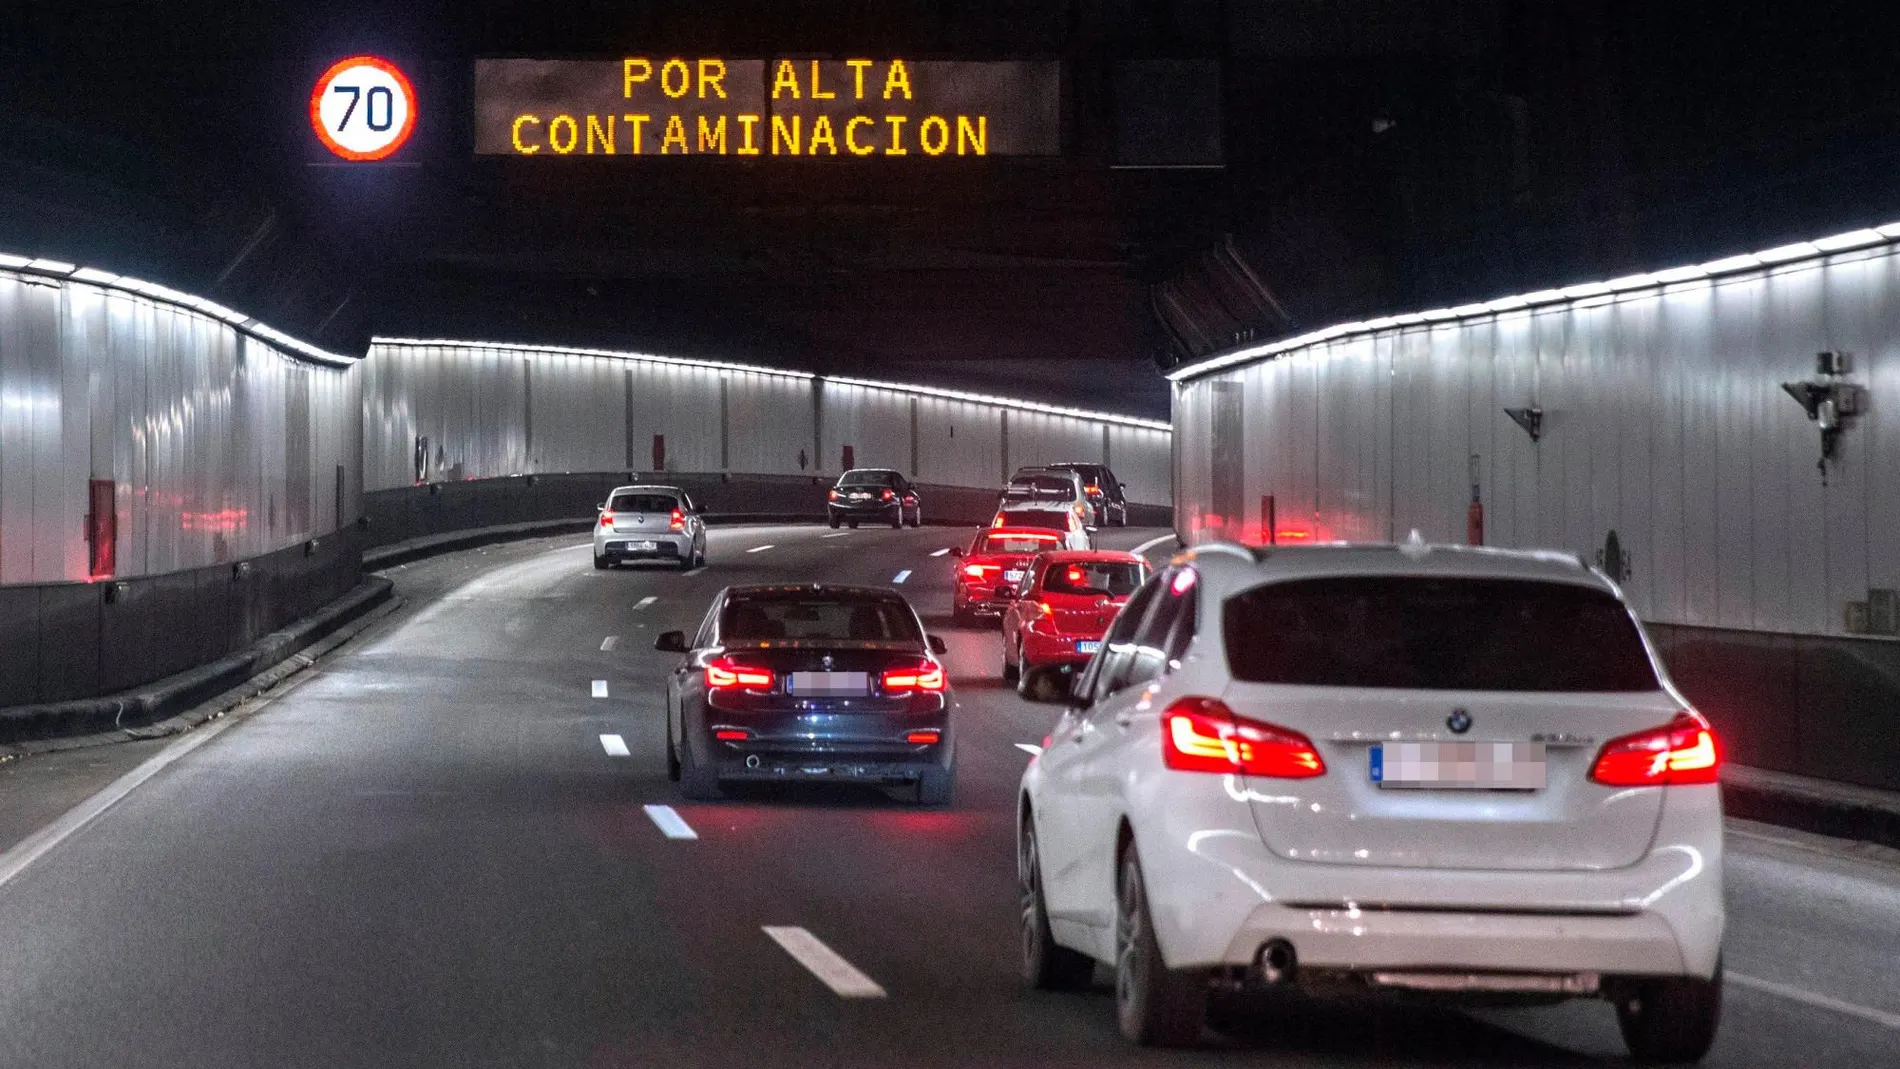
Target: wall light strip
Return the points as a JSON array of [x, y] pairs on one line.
[[612, 354], [1581, 295], [1002, 402], [154, 292]]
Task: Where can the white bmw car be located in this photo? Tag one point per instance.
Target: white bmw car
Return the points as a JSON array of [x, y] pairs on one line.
[[1439, 770]]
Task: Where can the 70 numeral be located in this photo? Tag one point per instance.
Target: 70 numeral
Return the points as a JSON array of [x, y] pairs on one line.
[[380, 92]]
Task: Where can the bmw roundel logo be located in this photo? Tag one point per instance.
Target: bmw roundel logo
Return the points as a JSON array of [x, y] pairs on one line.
[[1459, 721]]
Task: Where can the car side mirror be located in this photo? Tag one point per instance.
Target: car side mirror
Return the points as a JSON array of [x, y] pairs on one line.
[[956, 551], [671, 642], [1006, 593], [600, 508], [936, 644], [1079, 691]]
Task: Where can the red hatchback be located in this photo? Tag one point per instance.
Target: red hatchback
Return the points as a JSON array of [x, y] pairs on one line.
[[1059, 611], [996, 557]]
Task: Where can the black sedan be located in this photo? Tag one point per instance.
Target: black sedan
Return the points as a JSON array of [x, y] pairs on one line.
[[877, 494], [812, 683]]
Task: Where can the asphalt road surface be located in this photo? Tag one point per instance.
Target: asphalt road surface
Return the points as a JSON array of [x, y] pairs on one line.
[[431, 850]]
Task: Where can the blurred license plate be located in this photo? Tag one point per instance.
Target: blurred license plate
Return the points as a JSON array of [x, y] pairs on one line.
[[645, 547], [1495, 766], [829, 684], [1013, 577], [1083, 645]]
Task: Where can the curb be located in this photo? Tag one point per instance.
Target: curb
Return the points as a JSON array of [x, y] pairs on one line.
[[1841, 811], [136, 713]]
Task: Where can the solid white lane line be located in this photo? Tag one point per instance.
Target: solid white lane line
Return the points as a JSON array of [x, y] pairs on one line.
[[1152, 543], [644, 602], [836, 534], [901, 576], [839, 975], [941, 552], [670, 822], [1824, 1002], [609, 643], [614, 745], [600, 688], [694, 571], [35, 846], [761, 549], [1029, 748]]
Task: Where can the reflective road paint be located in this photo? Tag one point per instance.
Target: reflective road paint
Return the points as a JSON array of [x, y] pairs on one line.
[[901, 576], [670, 822], [614, 745], [609, 642], [600, 688], [761, 549], [839, 975]]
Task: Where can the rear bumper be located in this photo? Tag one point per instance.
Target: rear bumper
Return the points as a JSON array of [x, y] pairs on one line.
[[861, 511], [859, 763], [670, 546], [1054, 651]]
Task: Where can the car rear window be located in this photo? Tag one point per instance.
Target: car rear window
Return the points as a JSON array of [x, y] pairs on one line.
[[643, 503], [1047, 519], [1016, 543], [1117, 579], [1420, 633], [868, 478], [1042, 486], [801, 617]]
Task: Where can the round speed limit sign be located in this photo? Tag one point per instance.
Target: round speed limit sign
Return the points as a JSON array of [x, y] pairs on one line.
[[363, 108]]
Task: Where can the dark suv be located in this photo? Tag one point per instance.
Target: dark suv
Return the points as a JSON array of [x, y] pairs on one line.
[[874, 494], [1105, 492]]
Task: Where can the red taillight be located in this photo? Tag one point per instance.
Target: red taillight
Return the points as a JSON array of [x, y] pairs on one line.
[[929, 737], [731, 734], [1203, 735], [833, 495], [1093, 491], [679, 520], [975, 571], [1680, 753], [606, 519], [888, 495], [923, 676], [997, 522], [727, 673]]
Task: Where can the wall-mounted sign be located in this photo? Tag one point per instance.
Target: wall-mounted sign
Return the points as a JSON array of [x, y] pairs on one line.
[[712, 106], [363, 108]]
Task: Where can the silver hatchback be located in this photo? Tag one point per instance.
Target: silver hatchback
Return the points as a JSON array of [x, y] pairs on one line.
[[650, 523]]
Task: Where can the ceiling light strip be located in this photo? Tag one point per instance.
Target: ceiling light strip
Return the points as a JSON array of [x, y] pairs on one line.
[[1584, 294]]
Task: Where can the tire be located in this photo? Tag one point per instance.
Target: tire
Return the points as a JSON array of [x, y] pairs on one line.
[[1670, 1022], [936, 786], [833, 517], [601, 564], [853, 524], [1045, 965], [672, 755], [960, 617], [897, 519], [1012, 669], [697, 782], [1028, 677], [917, 516], [1155, 1006]]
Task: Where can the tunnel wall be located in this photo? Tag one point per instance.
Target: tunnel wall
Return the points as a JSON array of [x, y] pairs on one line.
[[199, 444], [504, 412], [1663, 422]]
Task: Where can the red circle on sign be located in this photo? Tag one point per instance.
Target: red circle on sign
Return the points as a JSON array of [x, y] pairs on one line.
[[343, 66]]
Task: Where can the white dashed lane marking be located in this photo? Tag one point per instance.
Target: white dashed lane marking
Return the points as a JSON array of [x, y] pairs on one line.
[[901, 576], [600, 688], [1809, 998], [1029, 748], [609, 643], [761, 549], [694, 571], [614, 745], [836, 534], [1152, 543], [839, 975], [670, 822], [940, 552], [644, 602]]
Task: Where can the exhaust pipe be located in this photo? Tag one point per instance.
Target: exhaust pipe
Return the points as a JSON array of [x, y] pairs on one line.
[[752, 761], [1276, 963]]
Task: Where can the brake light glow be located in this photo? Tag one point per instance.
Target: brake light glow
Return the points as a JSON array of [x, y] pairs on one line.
[[1182, 581], [927, 737], [679, 520], [726, 673], [1093, 491], [887, 495], [833, 494], [975, 571], [925, 676], [731, 734], [1204, 735], [1681, 752], [606, 519]]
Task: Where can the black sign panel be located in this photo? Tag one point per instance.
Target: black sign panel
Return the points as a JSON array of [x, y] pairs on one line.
[[806, 108]]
